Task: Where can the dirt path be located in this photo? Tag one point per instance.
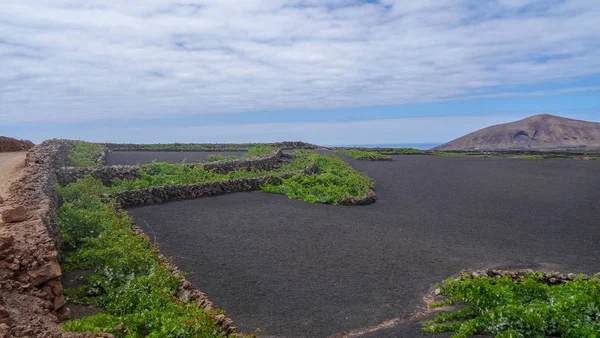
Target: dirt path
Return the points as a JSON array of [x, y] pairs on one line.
[[11, 166]]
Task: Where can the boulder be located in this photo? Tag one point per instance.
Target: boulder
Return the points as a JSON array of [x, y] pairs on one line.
[[47, 272], [13, 215]]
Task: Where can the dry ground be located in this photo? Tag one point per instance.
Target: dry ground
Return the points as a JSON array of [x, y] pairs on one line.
[[11, 166]]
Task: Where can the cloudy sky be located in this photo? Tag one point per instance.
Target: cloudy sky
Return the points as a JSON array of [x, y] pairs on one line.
[[324, 71]]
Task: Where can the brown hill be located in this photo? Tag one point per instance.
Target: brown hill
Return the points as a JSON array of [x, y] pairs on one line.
[[10, 144], [539, 132]]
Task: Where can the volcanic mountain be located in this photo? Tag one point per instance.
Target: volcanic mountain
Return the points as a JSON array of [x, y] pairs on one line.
[[539, 132]]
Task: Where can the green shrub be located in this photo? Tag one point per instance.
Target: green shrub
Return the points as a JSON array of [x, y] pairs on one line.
[[523, 308], [84, 154]]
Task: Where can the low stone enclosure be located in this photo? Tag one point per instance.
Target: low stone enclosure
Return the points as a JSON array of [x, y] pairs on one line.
[[31, 292]]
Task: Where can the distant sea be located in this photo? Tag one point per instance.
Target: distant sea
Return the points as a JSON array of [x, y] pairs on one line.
[[422, 146]]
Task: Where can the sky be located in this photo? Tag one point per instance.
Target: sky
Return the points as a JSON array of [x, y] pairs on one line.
[[323, 71]]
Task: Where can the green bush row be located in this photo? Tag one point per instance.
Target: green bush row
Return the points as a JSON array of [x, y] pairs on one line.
[[84, 154], [136, 292], [517, 309]]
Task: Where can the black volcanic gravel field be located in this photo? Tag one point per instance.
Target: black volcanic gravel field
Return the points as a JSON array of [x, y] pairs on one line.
[[143, 157], [295, 269]]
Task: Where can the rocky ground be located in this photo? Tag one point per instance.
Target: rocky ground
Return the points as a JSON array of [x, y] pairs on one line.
[[31, 294]]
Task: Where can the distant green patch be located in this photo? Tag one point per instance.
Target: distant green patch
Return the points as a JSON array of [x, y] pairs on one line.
[[84, 154], [363, 154], [259, 151], [404, 151], [219, 157], [518, 309]]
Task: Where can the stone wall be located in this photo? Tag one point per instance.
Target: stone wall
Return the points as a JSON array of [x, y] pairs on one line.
[[368, 198], [209, 146], [107, 173], [268, 162], [30, 283], [156, 195]]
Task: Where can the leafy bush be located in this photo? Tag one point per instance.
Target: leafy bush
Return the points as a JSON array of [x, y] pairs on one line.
[[523, 308], [363, 155], [84, 154], [135, 291]]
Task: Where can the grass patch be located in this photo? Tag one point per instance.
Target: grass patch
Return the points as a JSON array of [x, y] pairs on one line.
[[363, 154], [84, 154], [523, 308], [135, 291]]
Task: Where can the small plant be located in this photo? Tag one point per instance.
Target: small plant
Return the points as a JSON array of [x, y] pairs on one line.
[[519, 308], [84, 154], [364, 155]]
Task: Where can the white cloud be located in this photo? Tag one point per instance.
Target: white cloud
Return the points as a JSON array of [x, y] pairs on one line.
[[78, 61]]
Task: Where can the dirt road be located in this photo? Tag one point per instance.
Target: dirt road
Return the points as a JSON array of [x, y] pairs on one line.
[[11, 166]]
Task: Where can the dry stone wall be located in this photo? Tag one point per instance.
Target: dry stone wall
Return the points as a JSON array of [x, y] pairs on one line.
[[31, 294], [108, 173], [209, 146], [134, 198]]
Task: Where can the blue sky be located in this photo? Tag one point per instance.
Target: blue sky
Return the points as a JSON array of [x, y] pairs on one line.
[[326, 71]]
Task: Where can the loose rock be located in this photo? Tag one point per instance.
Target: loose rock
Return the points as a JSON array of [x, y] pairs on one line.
[[14, 215]]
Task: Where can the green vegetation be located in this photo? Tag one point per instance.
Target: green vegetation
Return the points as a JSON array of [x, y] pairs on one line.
[[219, 157], [363, 155], [136, 292], [404, 151], [336, 181], [259, 151], [84, 154], [523, 308]]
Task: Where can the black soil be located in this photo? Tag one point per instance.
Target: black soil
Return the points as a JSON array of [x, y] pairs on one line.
[[143, 157], [294, 269]]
